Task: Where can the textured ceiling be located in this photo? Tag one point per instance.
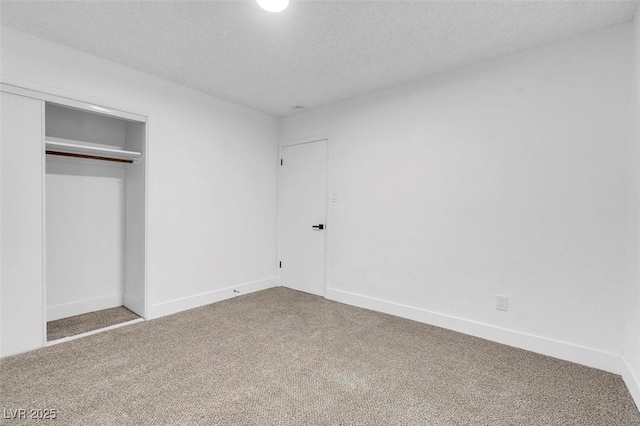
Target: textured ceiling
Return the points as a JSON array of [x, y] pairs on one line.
[[313, 53]]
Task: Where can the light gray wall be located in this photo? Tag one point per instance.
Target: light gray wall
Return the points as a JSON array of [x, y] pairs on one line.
[[85, 217], [82, 126]]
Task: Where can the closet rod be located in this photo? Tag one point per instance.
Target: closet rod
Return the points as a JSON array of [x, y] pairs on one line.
[[91, 157]]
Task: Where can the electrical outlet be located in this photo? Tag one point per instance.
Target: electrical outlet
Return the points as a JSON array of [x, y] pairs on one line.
[[502, 303]]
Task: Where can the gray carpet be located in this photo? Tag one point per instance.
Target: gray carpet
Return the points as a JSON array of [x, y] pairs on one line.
[[79, 324], [285, 357]]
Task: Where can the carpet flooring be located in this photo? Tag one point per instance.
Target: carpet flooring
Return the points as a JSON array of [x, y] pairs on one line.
[[289, 358], [79, 324]]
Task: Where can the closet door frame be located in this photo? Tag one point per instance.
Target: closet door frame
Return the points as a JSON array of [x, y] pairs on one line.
[[96, 106]]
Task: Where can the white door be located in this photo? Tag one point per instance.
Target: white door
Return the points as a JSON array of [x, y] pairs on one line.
[[21, 316], [303, 210]]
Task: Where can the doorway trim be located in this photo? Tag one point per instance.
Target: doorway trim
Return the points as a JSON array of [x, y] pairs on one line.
[[327, 210]]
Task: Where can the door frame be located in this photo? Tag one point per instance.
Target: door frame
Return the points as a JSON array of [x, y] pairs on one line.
[[327, 210]]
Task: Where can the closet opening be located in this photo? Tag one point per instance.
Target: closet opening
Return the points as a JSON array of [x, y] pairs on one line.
[[94, 220]]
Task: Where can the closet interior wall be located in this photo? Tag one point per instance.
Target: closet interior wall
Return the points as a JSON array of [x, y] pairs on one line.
[[95, 214]]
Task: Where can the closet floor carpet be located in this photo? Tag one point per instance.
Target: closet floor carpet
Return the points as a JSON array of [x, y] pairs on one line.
[[284, 357], [79, 324]]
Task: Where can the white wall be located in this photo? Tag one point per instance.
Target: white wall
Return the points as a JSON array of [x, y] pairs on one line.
[[212, 176], [507, 177], [85, 231], [67, 123], [631, 343]]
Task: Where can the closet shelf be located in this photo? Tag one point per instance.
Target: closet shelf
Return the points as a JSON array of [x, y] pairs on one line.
[[71, 148]]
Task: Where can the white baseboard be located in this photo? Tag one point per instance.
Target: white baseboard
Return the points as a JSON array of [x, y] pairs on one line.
[[631, 380], [542, 345], [83, 306], [134, 305], [177, 305]]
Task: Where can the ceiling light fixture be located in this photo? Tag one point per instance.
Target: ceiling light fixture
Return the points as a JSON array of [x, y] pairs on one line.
[[273, 5]]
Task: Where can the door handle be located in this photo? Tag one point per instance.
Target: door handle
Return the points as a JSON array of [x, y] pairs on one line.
[[321, 226]]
